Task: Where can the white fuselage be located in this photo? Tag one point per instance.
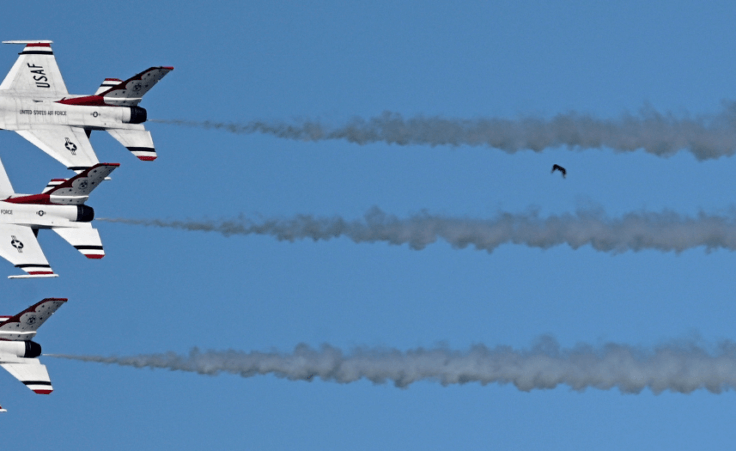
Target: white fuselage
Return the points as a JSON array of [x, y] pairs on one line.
[[39, 216], [13, 351], [25, 113]]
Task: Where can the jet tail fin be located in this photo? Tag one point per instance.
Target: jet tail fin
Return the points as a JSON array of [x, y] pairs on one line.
[[131, 91], [80, 186], [23, 326], [73, 191]]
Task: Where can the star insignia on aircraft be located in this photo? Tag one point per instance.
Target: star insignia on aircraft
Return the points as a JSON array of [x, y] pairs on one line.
[[137, 87], [83, 185], [31, 320], [16, 243], [70, 146]]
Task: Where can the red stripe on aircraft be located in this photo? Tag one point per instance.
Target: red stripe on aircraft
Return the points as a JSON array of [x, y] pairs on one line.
[[42, 199], [86, 100]]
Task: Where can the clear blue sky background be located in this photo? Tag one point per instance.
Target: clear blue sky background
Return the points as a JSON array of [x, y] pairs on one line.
[[159, 290]]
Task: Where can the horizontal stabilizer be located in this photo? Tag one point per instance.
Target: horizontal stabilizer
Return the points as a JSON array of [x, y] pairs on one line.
[[36, 276], [32, 373], [131, 91], [139, 142], [85, 238]]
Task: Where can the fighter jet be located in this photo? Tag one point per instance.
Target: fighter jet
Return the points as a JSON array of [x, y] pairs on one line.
[[60, 207], [34, 103], [18, 354]]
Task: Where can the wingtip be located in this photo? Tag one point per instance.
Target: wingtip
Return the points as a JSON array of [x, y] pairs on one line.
[[37, 41]]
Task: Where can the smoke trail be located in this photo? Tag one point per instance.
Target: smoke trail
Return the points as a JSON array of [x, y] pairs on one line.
[[664, 231], [660, 134], [679, 368]]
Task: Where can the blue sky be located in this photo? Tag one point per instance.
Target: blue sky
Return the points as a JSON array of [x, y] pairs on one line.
[[163, 290]]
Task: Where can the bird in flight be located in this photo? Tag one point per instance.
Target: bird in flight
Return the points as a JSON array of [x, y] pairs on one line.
[[557, 167]]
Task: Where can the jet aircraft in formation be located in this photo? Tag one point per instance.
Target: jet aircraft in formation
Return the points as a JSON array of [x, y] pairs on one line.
[[34, 102], [60, 207], [18, 353]]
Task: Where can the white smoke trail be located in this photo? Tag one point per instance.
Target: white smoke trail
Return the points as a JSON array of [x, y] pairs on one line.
[[664, 231], [660, 134], [681, 368]]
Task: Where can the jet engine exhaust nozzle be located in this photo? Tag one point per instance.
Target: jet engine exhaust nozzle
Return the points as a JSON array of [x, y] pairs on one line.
[[138, 115], [33, 350], [85, 213]]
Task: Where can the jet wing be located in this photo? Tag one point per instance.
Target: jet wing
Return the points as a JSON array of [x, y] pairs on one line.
[[18, 245], [6, 189], [35, 73], [32, 373], [69, 145]]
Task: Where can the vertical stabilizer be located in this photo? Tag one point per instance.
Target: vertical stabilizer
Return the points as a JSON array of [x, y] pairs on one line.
[[24, 325], [131, 91]]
